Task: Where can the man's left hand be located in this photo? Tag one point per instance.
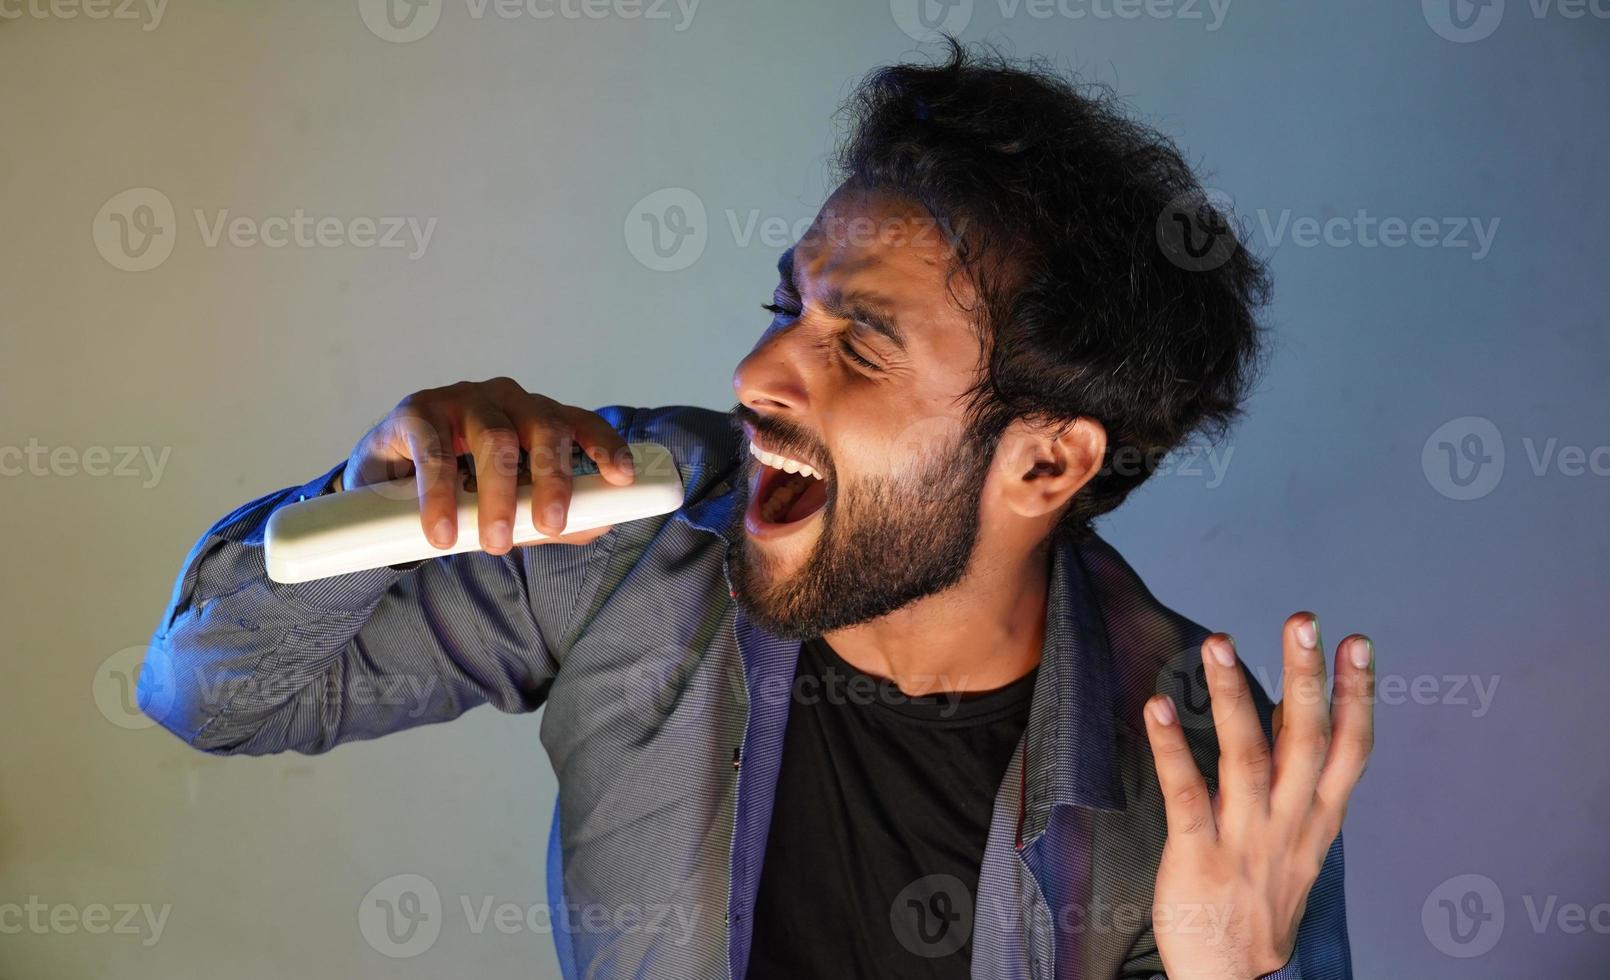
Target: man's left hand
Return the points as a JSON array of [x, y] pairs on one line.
[[1238, 865]]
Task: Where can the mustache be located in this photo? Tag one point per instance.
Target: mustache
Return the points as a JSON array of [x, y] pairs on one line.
[[780, 436]]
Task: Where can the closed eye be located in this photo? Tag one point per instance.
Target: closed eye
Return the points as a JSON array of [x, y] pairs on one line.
[[778, 311], [852, 354]]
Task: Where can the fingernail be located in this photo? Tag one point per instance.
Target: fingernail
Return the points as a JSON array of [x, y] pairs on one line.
[[1224, 652], [442, 534], [498, 534], [1163, 711], [1363, 652], [1308, 633], [554, 516]]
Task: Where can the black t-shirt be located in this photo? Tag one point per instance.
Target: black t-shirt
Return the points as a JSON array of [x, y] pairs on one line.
[[882, 809]]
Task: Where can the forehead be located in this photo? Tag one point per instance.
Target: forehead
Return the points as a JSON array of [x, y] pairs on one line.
[[879, 242]]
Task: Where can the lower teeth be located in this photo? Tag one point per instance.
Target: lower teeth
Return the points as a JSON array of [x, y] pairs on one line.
[[778, 504], [775, 508]]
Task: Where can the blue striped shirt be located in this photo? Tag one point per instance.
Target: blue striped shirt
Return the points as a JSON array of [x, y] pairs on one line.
[[665, 714]]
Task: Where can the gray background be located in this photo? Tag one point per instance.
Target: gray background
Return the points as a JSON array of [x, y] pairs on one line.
[[532, 143]]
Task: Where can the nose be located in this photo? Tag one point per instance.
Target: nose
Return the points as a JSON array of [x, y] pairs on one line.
[[767, 380]]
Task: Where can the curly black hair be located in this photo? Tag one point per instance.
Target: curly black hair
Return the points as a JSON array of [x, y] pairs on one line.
[[1125, 295]]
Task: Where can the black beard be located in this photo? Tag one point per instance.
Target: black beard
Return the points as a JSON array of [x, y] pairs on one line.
[[899, 540]]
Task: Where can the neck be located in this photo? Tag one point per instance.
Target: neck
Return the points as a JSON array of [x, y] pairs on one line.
[[982, 633]]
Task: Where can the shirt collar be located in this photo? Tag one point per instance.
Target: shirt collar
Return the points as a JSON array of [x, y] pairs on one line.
[[1071, 743], [714, 511]]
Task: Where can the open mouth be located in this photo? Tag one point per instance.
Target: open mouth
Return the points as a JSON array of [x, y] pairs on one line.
[[787, 491]]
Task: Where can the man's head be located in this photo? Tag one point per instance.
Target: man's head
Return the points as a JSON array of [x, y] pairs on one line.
[[987, 338]]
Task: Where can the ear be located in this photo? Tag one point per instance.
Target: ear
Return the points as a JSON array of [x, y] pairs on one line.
[[1044, 464]]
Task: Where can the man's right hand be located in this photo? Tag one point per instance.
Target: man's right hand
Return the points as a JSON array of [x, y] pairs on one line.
[[492, 421]]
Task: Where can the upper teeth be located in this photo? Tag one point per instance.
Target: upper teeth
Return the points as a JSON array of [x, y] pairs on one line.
[[782, 462]]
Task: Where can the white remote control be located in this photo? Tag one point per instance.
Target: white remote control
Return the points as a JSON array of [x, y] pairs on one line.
[[377, 525]]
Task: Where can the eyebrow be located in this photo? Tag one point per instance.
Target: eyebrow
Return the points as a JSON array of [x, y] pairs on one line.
[[869, 308]]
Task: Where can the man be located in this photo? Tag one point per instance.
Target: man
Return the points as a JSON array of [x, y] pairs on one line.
[[875, 701]]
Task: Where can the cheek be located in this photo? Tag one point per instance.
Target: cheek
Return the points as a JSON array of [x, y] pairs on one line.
[[921, 445]]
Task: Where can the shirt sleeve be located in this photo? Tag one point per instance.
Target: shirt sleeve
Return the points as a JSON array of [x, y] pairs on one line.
[[241, 664]]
